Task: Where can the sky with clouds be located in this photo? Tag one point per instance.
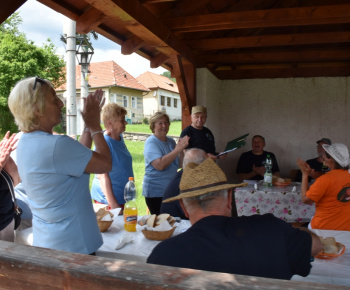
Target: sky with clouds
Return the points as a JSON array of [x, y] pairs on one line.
[[41, 22]]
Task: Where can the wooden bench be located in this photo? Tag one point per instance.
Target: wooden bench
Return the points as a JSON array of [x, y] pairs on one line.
[[26, 267]]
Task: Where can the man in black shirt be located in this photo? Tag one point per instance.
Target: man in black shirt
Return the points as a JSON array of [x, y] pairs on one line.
[[316, 164], [251, 164], [200, 137]]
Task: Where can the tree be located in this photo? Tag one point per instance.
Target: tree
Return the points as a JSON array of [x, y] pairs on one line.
[[21, 58], [168, 75]]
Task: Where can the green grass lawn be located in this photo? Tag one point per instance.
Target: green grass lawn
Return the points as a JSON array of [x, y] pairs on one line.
[[138, 162], [174, 130]]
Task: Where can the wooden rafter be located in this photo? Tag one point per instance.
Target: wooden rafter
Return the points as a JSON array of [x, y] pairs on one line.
[[271, 40], [262, 18]]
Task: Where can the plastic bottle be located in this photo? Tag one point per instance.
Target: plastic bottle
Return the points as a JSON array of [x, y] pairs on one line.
[[268, 171], [130, 208]]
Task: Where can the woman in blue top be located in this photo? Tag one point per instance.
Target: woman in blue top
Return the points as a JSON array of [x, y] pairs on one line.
[[55, 169], [108, 188], [161, 160]]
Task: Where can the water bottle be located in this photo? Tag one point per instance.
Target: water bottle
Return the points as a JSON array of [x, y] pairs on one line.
[[130, 208], [268, 171]]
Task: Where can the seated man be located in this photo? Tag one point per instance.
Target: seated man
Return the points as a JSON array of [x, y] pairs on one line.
[[251, 164], [257, 245], [173, 208], [316, 164]]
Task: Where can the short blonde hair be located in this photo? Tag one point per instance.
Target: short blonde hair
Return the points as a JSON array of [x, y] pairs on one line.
[[155, 118], [24, 101], [112, 110]]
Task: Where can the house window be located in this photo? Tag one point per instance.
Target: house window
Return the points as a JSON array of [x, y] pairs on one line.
[[113, 98], [134, 102], [162, 100], [175, 103], [125, 101], [168, 102]]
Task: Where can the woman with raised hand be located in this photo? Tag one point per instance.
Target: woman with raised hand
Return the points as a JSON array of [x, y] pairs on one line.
[[161, 160], [55, 169], [331, 191]]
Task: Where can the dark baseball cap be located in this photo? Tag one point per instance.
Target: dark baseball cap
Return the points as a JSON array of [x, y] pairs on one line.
[[325, 140]]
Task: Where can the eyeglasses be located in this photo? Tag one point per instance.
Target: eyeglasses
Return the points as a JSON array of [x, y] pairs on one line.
[[38, 80]]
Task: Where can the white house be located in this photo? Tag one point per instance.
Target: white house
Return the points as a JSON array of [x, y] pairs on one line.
[[118, 86], [163, 96]]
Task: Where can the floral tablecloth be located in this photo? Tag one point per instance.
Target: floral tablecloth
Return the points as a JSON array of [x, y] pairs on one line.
[[283, 202]]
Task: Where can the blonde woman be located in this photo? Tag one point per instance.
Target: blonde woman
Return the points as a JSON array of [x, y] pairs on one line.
[[54, 169], [108, 188], [161, 160]]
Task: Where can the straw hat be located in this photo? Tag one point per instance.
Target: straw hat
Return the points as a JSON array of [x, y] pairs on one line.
[[198, 179]]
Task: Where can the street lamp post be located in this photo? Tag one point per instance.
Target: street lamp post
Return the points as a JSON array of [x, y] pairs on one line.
[[84, 54]]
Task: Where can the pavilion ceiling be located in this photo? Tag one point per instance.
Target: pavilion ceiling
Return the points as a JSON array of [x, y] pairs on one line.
[[234, 39]]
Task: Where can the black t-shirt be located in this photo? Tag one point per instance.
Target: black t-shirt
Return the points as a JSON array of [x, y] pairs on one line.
[[257, 245], [248, 159], [314, 164], [202, 139], [6, 203]]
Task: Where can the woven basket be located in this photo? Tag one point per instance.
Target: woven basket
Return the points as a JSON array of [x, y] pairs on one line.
[[158, 236], [104, 225]]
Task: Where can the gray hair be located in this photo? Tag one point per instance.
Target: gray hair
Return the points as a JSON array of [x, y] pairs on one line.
[[205, 200], [194, 155]]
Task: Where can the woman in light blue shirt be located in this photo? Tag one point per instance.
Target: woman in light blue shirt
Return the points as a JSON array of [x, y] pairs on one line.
[[161, 160], [55, 169], [108, 188]]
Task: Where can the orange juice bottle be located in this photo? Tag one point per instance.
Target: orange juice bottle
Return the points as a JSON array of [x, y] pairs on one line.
[[130, 216], [130, 209]]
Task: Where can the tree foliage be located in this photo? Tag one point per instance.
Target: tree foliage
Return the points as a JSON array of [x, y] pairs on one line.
[[168, 75], [21, 58]]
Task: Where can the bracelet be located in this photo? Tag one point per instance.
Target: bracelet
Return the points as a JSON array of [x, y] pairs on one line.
[[97, 132]]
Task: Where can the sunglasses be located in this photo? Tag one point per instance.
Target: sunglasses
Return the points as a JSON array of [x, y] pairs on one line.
[[38, 80]]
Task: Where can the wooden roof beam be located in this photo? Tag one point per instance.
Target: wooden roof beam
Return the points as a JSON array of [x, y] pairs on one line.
[[8, 7], [317, 15], [132, 45], [270, 40], [142, 23], [89, 21], [277, 56], [317, 71], [158, 60]]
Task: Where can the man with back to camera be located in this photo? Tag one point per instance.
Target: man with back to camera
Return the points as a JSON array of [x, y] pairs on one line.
[[200, 137], [257, 245], [316, 164], [194, 155], [251, 164]]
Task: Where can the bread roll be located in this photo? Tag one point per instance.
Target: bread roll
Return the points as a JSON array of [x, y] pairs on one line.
[[162, 218], [151, 221]]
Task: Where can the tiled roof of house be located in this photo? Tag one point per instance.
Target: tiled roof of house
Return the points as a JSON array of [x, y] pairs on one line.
[[107, 73], [153, 81]]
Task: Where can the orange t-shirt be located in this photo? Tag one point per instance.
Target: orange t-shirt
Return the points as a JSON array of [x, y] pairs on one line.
[[331, 194]]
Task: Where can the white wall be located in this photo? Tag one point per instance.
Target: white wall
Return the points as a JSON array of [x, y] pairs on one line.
[[291, 113]]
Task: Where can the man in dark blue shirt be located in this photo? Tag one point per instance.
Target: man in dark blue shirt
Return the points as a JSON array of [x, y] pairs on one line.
[[258, 245]]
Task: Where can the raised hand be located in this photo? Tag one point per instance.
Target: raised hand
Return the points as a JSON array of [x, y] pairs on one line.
[[92, 108], [7, 145]]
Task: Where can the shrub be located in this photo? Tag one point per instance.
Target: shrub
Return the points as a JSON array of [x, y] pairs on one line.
[[145, 121]]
